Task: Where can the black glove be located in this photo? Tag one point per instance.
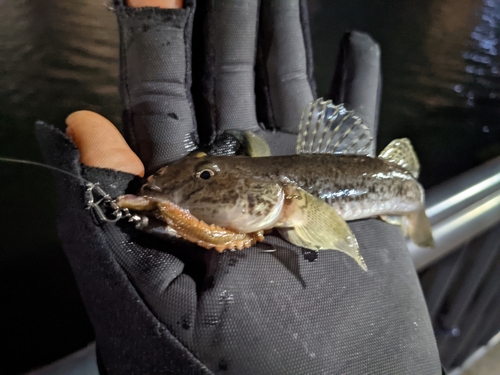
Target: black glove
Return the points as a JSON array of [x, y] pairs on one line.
[[160, 307]]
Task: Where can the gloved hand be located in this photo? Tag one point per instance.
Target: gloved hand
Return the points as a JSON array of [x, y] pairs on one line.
[[158, 307]]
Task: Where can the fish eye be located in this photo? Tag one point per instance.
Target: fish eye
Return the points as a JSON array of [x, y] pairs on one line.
[[205, 174]]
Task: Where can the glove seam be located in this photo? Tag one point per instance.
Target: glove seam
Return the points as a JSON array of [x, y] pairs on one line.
[[306, 34], [127, 116], [262, 77], [190, 6]]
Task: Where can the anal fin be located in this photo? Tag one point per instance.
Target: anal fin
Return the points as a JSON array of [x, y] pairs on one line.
[[311, 223]]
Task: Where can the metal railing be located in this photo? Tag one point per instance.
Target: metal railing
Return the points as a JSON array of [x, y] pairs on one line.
[[459, 210], [461, 275]]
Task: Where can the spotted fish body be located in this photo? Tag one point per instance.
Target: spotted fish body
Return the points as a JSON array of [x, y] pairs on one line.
[[244, 189], [356, 187], [307, 197]]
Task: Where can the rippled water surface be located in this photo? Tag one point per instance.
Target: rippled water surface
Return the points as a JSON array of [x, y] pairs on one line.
[[441, 74]]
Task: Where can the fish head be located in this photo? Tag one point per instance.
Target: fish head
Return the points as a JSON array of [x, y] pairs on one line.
[[220, 191]]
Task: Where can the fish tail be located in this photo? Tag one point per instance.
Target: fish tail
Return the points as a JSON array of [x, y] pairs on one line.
[[420, 229]]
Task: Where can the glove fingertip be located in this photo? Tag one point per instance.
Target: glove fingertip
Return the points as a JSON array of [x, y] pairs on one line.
[[357, 78]]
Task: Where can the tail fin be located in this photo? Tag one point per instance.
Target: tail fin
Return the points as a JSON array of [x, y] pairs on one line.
[[420, 229]]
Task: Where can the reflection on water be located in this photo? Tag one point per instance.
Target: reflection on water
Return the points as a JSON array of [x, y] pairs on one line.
[[482, 59], [441, 73], [55, 57], [427, 51]]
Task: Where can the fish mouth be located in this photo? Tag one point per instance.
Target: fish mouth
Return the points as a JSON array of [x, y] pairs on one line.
[[150, 185], [152, 191], [165, 219], [145, 211]]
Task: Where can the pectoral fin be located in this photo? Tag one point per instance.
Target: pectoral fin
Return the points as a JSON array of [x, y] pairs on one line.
[[311, 223]]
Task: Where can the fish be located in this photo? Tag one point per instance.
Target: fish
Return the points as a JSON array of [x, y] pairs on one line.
[[230, 202]]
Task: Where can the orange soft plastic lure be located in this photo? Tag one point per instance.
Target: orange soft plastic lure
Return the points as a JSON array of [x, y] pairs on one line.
[[190, 228]]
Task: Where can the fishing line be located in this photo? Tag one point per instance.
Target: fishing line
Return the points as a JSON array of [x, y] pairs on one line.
[[29, 162], [95, 195]]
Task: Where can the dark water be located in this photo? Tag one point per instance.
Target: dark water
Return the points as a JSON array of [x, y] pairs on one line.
[[441, 75], [441, 70]]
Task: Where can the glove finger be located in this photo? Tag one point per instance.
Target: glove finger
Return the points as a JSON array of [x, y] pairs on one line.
[[284, 64], [224, 79], [357, 79], [101, 144], [155, 82]]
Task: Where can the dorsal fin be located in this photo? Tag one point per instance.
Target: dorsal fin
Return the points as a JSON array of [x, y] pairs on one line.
[[326, 128], [400, 152]]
